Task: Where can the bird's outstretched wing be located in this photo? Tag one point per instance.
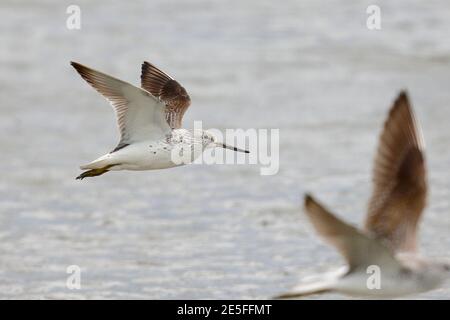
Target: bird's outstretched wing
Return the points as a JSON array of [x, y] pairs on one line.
[[359, 250], [168, 90], [307, 289], [140, 116], [399, 179]]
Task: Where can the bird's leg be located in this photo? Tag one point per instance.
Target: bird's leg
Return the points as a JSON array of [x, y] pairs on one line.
[[94, 172]]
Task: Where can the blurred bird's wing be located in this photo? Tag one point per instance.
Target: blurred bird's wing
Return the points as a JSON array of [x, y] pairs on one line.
[[399, 180], [359, 250], [307, 289], [168, 90], [140, 116]]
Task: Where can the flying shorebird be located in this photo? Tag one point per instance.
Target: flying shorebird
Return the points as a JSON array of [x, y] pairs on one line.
[[149, 121], [389, 239]]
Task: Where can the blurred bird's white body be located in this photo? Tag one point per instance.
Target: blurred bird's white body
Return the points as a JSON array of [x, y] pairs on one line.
[[392, 283]]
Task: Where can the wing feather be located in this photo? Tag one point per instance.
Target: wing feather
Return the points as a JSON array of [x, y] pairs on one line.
[[399, 179], [140, 116], [168, 90], [358, 249]]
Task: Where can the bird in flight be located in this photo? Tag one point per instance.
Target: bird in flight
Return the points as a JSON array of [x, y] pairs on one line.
[[149, 121], [388, 243]]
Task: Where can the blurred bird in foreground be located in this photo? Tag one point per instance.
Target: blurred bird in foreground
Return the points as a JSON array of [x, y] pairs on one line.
[[388, 242], [149, 121]]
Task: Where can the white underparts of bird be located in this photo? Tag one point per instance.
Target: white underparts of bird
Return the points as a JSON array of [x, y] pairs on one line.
[[149, 121], [383, 260]]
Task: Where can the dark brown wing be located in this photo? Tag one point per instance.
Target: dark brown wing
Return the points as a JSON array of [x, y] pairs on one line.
[[399, 179], [168, 90]]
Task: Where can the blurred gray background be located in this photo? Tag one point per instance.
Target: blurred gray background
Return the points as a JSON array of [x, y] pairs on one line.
[[310, 68]]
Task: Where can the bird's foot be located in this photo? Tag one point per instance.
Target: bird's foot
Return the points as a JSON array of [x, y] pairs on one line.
[[93, 173]]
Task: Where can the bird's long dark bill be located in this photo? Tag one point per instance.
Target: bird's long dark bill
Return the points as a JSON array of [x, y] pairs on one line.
[[234, 148]]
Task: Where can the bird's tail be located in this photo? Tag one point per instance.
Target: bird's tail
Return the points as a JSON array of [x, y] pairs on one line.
[[99, 163]]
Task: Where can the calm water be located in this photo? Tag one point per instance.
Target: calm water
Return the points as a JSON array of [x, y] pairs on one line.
[[310, 68]]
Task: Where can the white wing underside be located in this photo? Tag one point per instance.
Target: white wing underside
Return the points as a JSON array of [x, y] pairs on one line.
[[140, 116], [306, 289], [315, 284]]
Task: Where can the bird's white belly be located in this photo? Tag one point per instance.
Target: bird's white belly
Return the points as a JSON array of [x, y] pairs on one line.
[[143, 156]]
